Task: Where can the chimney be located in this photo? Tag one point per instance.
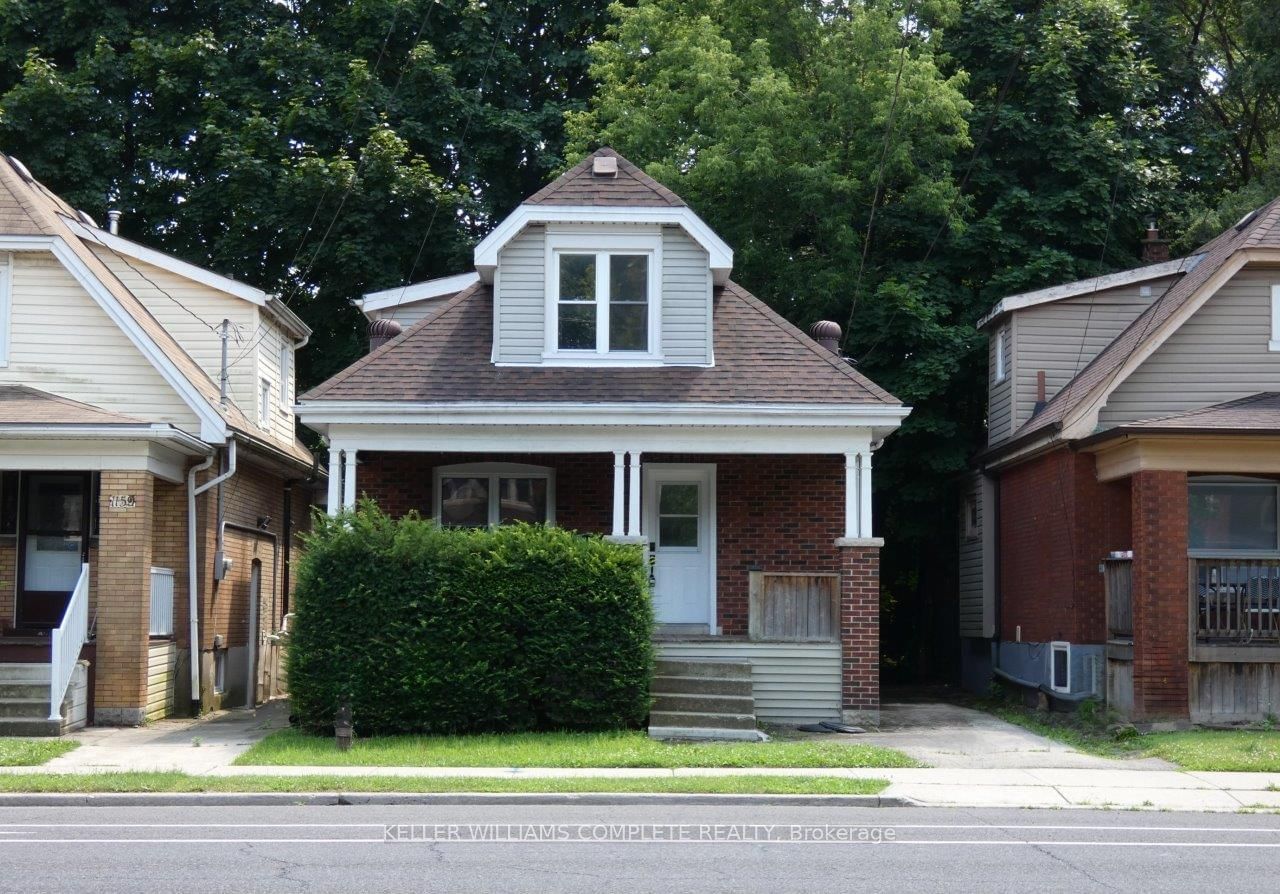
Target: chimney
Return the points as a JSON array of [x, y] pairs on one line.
[[1154, 249], [382, 331], [1041, 397], [827, 334], [605, 166], [113, 221]]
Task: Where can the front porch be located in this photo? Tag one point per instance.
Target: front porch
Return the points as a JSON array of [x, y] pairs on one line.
[[756, 558]]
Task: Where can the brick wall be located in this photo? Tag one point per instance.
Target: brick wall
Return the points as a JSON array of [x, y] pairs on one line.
[[8, 579], [1160, 598], [860, 632], [1057, 521]]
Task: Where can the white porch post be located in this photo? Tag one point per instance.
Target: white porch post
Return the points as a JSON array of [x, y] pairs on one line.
[[619, 490], [633, 506], [335, 479], [852, 523], [349, 480], [864, 496]]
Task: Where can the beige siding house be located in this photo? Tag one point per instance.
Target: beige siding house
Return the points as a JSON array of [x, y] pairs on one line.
[[145, 515]]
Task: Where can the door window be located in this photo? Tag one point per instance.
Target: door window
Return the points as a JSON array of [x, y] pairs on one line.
[[678, 515]]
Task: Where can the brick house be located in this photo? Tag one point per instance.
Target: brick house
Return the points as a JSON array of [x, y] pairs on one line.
[[145, 508], [1119, 539], [598, 370]]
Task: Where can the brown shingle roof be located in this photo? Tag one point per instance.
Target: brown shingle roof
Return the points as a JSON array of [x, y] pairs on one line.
[[759, 358], [1255, 413], [631, 187], [1258, 230], [22, 405]]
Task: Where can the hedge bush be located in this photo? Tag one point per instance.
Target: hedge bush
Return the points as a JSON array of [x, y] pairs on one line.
[[437, 630]]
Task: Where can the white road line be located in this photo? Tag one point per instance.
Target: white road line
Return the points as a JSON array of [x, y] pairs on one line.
[[1224, 830], [942, 842]]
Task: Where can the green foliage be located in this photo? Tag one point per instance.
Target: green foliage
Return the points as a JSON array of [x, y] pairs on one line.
[[429, 629]]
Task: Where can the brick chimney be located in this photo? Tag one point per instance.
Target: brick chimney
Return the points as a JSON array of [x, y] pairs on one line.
[[1154, 249]]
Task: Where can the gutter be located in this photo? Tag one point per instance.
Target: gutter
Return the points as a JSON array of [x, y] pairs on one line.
[[193, 567]]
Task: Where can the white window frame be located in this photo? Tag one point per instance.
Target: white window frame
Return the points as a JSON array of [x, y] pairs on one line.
[[493, 471], [1054, 649], [1232, 481], [1274, 343], [645, 241], [264, 402], [1002, 341], [286, 370], [6, 305]]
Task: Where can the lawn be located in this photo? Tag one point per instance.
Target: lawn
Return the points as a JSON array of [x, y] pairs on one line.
[[180, 782], [613, 749], [32, 752]]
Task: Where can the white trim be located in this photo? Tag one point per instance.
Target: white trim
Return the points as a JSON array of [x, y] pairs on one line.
[[6, 308], [492, 472], [418, 291], [213, 427], [166, 459], [167, 262], [285, 361], [486, 253], [1084, 286], [1274, 343], [587, 241], [350, 461], [1054, 648], [265, 387], [635, 522], [619, 494], [1002, 342], [332, 504], [701, 473]]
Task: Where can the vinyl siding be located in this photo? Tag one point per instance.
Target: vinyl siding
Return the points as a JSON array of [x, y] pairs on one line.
[[1061, 337], [790, 682], [408, 314], [280, 419], [61, 341], [1000, 393], [520, 296], [971, 576], [686, 299], [1217, 355]]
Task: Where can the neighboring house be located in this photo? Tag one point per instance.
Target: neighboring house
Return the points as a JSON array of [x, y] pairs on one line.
[[600, 371], [1120, 536], [114, 429]]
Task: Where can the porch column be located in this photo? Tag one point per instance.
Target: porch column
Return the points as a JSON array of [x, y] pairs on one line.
[[1161, 601], [619, 490], [859, 554], [857, 494], [864, 494], [335, 479], [633, 506], [349, 480]]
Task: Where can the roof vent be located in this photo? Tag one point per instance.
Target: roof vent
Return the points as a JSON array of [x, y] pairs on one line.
[[827, 334], [113, 221], [605, 166], [21, 169], [382, 331]]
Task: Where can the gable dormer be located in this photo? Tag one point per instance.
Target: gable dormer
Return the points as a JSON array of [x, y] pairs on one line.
[[603, 267]]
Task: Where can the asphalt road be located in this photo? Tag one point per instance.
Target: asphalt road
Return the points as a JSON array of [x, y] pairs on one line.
[[630, 848]]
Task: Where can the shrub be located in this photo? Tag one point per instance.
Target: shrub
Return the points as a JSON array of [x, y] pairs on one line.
[[438, 630]]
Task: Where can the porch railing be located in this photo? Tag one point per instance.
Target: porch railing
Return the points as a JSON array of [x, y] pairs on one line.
[[1118, 585], [162, 602], [1236, 601], [67, 640]]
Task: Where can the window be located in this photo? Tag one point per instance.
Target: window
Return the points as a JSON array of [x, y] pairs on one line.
[[1060, 667], [264, 403], [971, 520], [1002, 340], [1274, 344], [484, 494], [1233, 515], [286, 370], [678, 515], [602, 296]]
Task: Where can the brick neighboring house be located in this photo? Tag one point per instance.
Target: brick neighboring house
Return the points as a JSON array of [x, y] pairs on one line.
[[113, 432], [1120, 537], [600, 371]]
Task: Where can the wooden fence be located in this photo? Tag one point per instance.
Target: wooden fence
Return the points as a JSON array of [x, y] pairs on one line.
[[794, 607]]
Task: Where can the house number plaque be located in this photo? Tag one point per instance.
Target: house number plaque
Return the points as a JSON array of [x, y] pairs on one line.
[[121, 501]]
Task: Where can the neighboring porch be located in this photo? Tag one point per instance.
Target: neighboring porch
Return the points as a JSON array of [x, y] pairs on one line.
[[759, 561]]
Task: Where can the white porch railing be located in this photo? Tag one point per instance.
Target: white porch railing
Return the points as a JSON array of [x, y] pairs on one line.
[[162, 602], [67, 640]]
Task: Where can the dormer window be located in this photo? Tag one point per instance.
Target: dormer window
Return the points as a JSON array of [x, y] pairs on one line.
[[602, 296]]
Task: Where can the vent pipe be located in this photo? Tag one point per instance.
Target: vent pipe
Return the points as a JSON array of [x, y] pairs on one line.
[[113, 221], [827, 334]]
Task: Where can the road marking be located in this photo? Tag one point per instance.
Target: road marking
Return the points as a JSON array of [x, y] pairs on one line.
[[941, 842], [380, 825]]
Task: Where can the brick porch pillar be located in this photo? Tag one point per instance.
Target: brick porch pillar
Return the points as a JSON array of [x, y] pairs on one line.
[[860, 629], [1160, 596], [124, 599]]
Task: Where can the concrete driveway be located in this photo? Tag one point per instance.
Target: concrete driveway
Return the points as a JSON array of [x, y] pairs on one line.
[[945, 735]]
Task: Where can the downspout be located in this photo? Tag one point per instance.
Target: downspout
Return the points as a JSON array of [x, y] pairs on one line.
[[193, 567]]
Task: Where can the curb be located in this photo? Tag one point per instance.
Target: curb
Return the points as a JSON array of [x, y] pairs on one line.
[[336, 799]]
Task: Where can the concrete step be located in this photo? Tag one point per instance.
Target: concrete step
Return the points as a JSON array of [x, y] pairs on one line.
[[24, 708], [24, 690], [21, 672], [691, 667], [701, 720], [677, 685], [700, 703], [23, 726]]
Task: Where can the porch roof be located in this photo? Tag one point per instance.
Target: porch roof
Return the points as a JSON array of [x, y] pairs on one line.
[[23, 405], [1256, 414]]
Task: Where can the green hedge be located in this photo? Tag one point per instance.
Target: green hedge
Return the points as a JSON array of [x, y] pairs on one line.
[[438, 630]]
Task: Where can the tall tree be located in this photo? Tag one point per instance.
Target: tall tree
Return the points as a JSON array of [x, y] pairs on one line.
[[315, 147]]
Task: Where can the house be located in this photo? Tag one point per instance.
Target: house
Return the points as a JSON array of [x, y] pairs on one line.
[[599, 370], [151, 482], [1120, 533]]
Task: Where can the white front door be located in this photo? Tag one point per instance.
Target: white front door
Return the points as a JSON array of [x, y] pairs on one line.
[[679, 522]]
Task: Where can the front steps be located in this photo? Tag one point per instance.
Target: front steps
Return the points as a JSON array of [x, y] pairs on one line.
[[703, 700], [24, 700]]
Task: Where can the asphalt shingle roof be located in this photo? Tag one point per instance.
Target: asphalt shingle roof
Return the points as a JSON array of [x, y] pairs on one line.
[[631, 187]]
